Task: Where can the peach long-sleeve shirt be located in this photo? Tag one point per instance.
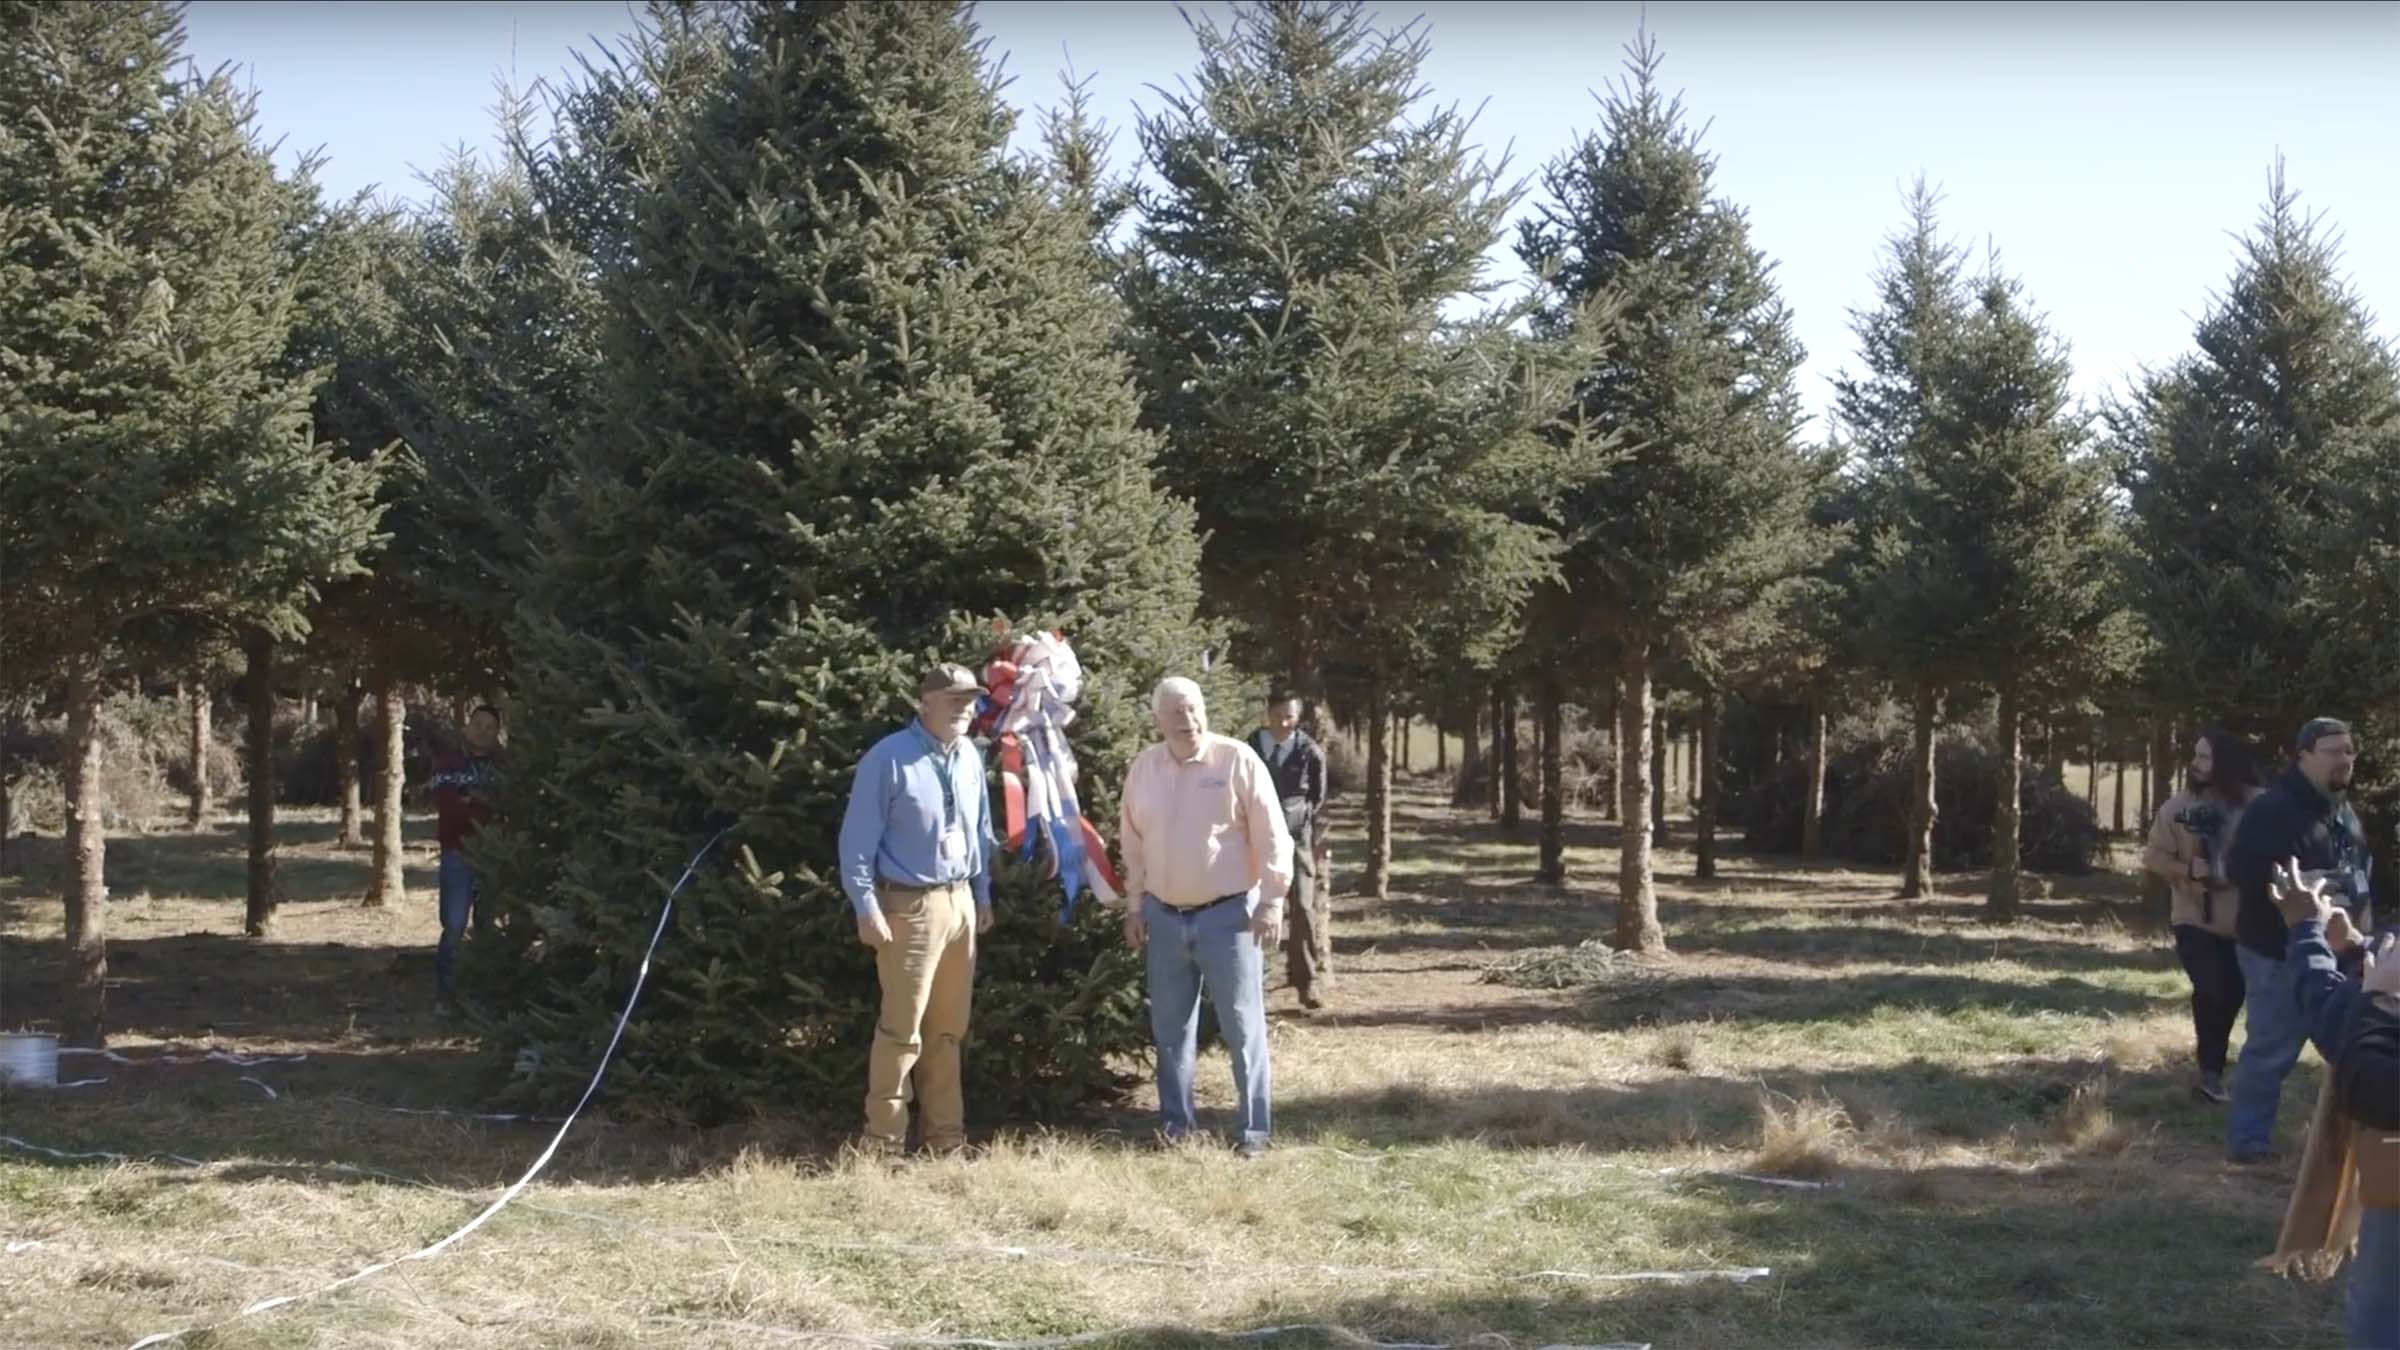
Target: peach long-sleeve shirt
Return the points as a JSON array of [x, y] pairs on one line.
[[1194, 830]]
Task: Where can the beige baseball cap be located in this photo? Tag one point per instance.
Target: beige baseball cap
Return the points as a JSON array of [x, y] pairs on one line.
[[949, 680]]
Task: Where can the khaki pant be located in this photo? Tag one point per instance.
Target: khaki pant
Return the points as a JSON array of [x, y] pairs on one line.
[[1308, 948], [927, 972]]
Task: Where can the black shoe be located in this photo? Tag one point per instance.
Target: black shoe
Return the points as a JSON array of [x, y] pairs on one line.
[[1252, 1151], [2211, 1088], [2251, 1157]]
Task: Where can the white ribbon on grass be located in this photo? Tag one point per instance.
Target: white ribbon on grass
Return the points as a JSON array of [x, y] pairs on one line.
[[217, 1056], [640, 977]]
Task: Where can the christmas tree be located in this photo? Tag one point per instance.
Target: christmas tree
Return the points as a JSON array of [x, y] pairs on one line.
[[864, 407]]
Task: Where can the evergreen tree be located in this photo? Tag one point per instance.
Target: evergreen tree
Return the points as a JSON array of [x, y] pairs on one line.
[[2009, 542], [862, 401], [1922, 303], [2254, 468], [157, 482], [1362, 468], [1710, 509], [2260, 471]]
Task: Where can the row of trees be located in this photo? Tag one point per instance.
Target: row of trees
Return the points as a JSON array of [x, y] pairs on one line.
[[769, 374]]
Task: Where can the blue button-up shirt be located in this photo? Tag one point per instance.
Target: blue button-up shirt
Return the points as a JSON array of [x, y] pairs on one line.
[[898, 810]]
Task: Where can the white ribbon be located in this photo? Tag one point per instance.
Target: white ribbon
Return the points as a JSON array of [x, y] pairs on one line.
[[640, 976]]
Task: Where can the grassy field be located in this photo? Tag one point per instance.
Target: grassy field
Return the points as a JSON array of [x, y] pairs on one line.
[[1999, 1118]]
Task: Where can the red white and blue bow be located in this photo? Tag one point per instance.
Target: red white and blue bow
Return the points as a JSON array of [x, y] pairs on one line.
[[1032, 683]]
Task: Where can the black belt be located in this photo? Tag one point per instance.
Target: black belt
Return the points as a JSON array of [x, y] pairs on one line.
[[1208, 904]]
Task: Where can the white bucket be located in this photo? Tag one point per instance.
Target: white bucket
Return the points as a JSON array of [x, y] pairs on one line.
[[29, 1058]]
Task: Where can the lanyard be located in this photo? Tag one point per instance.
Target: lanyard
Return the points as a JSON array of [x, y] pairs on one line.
[[941, 772]]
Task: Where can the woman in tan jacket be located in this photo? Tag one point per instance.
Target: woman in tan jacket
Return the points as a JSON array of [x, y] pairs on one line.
[[2188, 839]]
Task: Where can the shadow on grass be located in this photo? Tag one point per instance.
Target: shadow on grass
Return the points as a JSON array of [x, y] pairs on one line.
[[201, 985], [1763, 937], [211, 864]]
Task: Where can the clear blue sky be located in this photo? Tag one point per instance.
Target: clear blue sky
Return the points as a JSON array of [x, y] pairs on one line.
[[2106, 148]]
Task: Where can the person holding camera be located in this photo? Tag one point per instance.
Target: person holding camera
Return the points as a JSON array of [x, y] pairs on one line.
[[2189, 837]]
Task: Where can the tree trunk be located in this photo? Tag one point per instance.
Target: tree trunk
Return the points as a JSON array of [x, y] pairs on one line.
[[2116, 773], [83, 1021], [1693, 748], [2156, 895], [1637, 901], [2007, 814], [1704, 864], [7, 820], [1376, 882], [1553, 869], [1812, 796], [204, 794], [2091, 770], [345, 759], [1658, 780], [259, 684], [1512, 807], [1616, 741], [388, 881], [1441, 748], [1922, 810], [308, 710], [2144, 822], [1470, 750], [1496, 763]]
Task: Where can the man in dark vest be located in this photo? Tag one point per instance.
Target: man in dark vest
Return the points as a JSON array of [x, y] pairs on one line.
[[1297, 765], [2304, 817]]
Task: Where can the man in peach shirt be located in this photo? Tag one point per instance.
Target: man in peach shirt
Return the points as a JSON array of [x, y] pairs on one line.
[[1207, 862]]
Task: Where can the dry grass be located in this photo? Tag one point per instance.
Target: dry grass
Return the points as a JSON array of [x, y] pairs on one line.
[[1807, 1137], [1443, 1139], [2087, 1126]]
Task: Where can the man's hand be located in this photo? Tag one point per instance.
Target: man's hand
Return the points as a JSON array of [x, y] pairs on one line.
[[983, 918], [1267, 925], [2198, 870], [2382, 977], [2340, 933], [1136, 930], [2299, 896], [873, 931]]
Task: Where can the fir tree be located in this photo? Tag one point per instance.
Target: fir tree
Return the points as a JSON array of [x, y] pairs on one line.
[[862, 402], [1922, 303], [157, 482], [2009, 547], [2254, 467], [1709, 511], [2260, 471], [1366, 472]]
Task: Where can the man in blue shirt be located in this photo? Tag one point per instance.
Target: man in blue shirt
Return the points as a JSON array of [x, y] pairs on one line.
[[916, 860]]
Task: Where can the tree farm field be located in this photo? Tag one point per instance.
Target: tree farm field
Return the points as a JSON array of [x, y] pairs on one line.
[[1994, 1121]]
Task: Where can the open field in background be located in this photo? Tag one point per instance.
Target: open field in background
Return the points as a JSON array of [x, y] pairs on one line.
[[2001, 1112]]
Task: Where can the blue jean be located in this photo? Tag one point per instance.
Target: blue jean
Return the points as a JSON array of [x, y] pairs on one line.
[[1212, 948], [2375, 1282], [2272, 1048], [458, 907]]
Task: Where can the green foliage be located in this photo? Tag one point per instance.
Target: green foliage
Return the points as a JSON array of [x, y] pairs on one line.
[[861, 400], [157, 479], [1990, 554], [1700, 531], [1368, 474], [2260, 471]]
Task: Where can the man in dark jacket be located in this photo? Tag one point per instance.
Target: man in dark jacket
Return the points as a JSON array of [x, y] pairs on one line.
[[1297, 765], [2304, 815]]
